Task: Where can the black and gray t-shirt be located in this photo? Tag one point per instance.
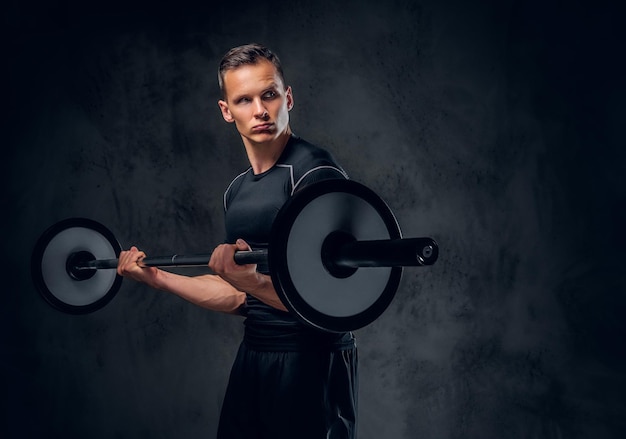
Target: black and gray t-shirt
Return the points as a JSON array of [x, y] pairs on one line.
[[251, 203]]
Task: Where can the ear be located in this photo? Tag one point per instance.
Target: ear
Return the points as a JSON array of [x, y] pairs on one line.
[[225, 111], [289, 95]]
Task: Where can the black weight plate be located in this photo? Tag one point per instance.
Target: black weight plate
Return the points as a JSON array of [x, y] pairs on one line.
[[303, 283], [50, 275]]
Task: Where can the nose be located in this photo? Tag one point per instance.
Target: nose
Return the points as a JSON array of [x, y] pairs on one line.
[[260, 111]]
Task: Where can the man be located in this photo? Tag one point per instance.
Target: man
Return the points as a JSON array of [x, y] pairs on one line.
[[288, 380]]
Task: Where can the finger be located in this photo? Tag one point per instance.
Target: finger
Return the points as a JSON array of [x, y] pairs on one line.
[[215, 263], [243, 245], [129, 259]]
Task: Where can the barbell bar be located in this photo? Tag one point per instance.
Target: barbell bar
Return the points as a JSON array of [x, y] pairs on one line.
[[338, 255], [335, 256]]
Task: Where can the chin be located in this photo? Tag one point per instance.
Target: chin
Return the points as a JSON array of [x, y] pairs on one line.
[[263, 136]]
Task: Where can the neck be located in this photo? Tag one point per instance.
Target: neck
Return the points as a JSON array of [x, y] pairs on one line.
[[263, 156]]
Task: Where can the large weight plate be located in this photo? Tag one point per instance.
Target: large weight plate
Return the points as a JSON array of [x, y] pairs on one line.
[[50, 275], [303, 283]]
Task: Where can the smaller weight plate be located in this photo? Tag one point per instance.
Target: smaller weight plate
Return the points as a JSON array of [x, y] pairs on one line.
[[51, 277]]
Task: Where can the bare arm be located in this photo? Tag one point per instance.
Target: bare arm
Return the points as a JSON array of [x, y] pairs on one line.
[[208, 291], [244, 277]]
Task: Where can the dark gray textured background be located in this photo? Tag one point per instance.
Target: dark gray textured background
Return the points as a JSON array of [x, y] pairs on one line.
[[494, 127]]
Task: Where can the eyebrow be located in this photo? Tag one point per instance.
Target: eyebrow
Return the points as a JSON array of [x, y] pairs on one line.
[[272, 86]]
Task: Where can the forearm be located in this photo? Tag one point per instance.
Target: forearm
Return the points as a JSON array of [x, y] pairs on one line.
[[244, 277], [263, 289], [208, 291]]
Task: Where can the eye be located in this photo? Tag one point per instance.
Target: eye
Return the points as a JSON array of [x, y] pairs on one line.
[[242, 100], [270, 95]]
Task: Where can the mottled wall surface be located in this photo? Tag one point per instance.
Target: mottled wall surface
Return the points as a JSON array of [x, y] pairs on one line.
[[491, 126]]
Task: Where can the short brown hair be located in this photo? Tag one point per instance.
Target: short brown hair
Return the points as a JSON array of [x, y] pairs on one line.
[[246, 55]]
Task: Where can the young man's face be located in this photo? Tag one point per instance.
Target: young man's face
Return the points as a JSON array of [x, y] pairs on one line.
[[257, 102]]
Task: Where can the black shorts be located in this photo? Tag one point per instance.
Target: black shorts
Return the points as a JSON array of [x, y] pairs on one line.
[[303, 395]]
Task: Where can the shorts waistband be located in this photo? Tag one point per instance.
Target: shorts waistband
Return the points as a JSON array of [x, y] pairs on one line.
[[298, 342]]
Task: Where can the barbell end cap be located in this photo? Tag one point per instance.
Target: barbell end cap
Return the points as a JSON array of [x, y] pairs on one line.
[[75, 265]]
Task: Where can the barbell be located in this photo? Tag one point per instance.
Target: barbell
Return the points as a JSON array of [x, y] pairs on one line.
[[335, 257]]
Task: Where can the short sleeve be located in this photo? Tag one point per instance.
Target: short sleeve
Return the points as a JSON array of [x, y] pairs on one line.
[[320, 173]]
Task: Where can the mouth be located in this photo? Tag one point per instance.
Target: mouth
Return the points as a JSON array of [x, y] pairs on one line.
[[262, 127]]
